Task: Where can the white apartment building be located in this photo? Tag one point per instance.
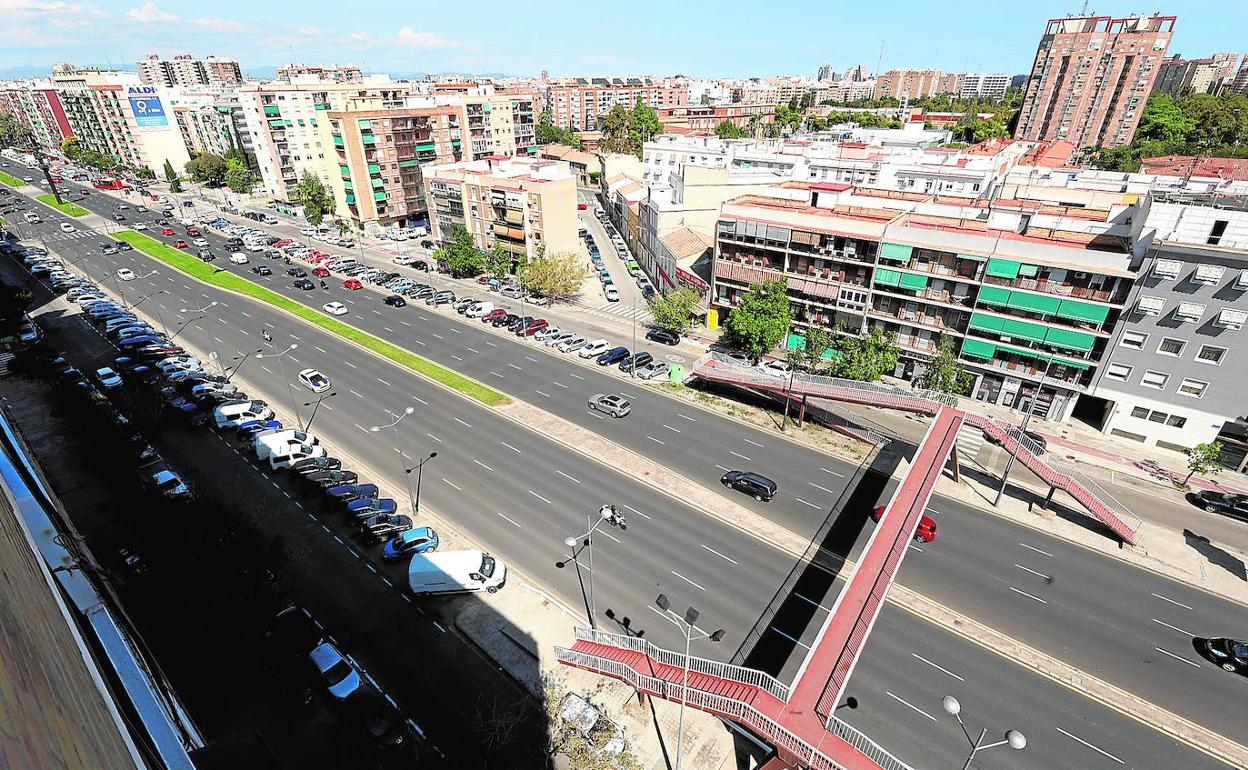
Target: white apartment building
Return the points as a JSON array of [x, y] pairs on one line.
[[187, 71], [984, 85]]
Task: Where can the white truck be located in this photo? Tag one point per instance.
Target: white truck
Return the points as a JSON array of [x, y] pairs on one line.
[[455, 571], [283, 448]]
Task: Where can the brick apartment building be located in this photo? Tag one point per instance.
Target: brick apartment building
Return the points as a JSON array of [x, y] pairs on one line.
[[581, 103]]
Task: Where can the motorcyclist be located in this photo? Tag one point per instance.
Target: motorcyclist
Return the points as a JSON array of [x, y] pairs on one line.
[[265, 334], [323, 285], [286, 260]]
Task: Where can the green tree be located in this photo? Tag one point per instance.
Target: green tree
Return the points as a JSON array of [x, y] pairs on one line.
[[867, 357], [498, 262], [761, 320], [14, 133], [615, 130], [238, 176], [726, 129], [462, 256], [70, 148], [818, 341], [316, 198], [1203, 459], [644, 127], [171, 176], [944, 373], [673, 309], [208, 169], [557, 275], [549, 133]]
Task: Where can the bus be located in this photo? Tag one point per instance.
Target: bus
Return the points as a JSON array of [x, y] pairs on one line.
[[107, 184]]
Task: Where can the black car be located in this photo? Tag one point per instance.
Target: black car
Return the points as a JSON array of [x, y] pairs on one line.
[[426, 244], [519, 323], [327, 479], [297, 272], [123, 246], [314, 464], [262, 270], [420, 264], [395, 300], [304, 283], [665, 336], [378, 717], [294, 632], [637, 361], [1229, 654], [1234, 506], [506, 320], [759, 487]]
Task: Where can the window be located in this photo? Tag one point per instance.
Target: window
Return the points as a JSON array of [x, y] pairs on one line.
[[1120, 372], [1171, 347], [1157, 416], [1189, 311], [1208, 274], [1193, 388], [1148, 305], [1175, 421], [1211, 354], [1215, 233], [1153, 379], [1232, 319], [1139, 413], [1134, 340], [1167, 268]]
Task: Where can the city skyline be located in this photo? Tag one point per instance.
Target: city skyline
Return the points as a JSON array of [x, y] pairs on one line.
[[39, 33]]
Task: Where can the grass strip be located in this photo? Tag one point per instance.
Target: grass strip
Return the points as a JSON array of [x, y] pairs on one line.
[[224, 279], [11, 180], [66, 208]]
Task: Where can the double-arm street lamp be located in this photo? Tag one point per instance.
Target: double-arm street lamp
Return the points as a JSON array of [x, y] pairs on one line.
[[198, 313], [281, 366], [686, 623], [607, 514], [1013, 738], [317, 405], [419, 468], [241, 358], [398, 447]]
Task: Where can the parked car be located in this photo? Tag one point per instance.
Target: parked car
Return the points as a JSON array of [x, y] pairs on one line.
[[755, 485], [505, 320], [593, 349], [610, 404], [532, 327], [664, 336], [108, 378], [1227, 504], [366, 507], [570, 344], [331, 477], [345, 493], [380, 719], [638, 359], [413, 541], [613, 356], [653, 370], [384, 526], [313, 464], [337, 672], [926, 531]]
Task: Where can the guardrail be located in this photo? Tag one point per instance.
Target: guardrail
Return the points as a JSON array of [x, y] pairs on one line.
[[869, 748]]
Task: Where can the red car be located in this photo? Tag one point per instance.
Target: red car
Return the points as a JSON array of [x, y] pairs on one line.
[[179, 243], [282, 244], [493, 315], [193, 232], [926, 532], [167, 231], [352, 284], [535, 326], [581, 207], [320, 272]]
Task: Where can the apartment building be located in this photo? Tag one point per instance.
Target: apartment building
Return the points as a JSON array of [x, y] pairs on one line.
[[582, 102], [695, 118], [1091, 78], [188, 72], [908, 83], [334, 73], [498, 124], [524, 205], [380, 155], [211, 121], [38, 105], [983, 85]]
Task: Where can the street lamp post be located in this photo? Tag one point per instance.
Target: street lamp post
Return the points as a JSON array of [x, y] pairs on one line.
[[686, 624], [279, 356], [242, 359], [317, 405], [398, 447], [607, 514], [1022, 427], [1014, 738], [159, 316], [198, 312], [420, 471]]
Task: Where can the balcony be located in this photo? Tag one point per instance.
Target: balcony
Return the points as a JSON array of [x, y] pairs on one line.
[[935, 321], [1028, 366], [1060, 289]]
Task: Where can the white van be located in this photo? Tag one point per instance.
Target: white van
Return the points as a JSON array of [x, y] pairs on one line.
[[239, 258], [479, 309], [235, 413], [455, 571]]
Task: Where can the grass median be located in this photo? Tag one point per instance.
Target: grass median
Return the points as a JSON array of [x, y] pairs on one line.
[[66, 208], [205, 272], [11, 180]]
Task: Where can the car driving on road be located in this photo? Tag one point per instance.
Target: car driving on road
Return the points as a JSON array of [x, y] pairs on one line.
[[334, 308], [753, 484], [924, 533], [610, 404], [1227, 504], [314, 381]]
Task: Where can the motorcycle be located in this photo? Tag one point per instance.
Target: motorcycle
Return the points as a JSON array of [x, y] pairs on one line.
[[324, 285]]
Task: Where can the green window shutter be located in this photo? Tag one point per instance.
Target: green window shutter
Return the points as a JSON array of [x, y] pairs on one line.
[[313, 121], [1070, 339], [895, 251], [290, 124], [272, 110], [300, 121], [409, 163], [350, 199], [346, 172], [1023, 329], [276, 124], [913, 282], [378, 183], [322, 107], [994, 295], [368, 139], [795, 342], [1029, 271], [887, 277], [1036, 303], [1003, 268], [338, 141], [425, 147], [990, 323], [978, 348], [366, 125], [1083, 311], [373, 168]]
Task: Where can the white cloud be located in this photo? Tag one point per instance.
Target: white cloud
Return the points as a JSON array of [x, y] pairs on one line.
[[148, 13], [51, 13], [413, 39], [221, 25], [309, 31]]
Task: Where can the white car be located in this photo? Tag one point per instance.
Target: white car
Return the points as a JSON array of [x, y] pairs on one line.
[[314, 381], [68, 228], [571, 344], [239, 258], [335, 308], [125, 274], [547, 333], [611, 293], [594, 349], [403, 260], [138, 226], [308, 231], [108, 378], [777, 369], [200, 243]]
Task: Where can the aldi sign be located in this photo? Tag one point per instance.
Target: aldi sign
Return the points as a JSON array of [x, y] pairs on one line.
[[146, 106]]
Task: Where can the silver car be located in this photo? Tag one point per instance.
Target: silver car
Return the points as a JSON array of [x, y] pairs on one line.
[[571, 344], [653, 370], [610, 403]]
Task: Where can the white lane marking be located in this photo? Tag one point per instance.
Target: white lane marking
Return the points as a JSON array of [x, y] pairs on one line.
[[361, 427], [1029, 596], [834, 473], [1177, 657], [383, 382], [639, 513], [405, 323], [439, 626], [743, 457], [755, 443], [457, 358], [511, 520], [513, 366], [1175, 628], [728, 559], [905, 702], [938, 667], [816, 486], [435, 438], [461, 422], [790, 638], [540, 393], [558, 384], [267, 369], [685, 417], [512, 448], [419, 342], [687, 580], [218, 339], [457, 331], [496, 374], [915, 547], [1172, 601], [566, 476], [722, 468], [491, 344], [439, 336], [577, 376], [321, 349], [531, 358], [353, 366], [387, 328], [803, 502], [244, 312], [655, 440], [452, 485], [1037, 550], [473, 350], [673, 430], [539, 497], [609, 536], [355, 393], [483, 465], [1097, 749], [810, 601], [1032, 571]]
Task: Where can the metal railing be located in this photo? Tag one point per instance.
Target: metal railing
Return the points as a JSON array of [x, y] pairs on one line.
[[727, 671], [867, 747]]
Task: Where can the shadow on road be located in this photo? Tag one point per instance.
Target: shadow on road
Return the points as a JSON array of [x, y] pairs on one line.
[[1215, 555]]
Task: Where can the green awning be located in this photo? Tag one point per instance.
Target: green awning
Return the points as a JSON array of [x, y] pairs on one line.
[[365, 125], [990, 323], [913, 282], [1070, 339], [1002, 268], [344, 170], [1036, 303], [322, 106], [409, 163], [374, 168], [276, 123], [886, 277], [272, 110], [338, 141], [368, 139], [350, 200], [1024, 330], [798, 342], [425, 147], [976, 257], [994, 295], [379, 196], [978, 348], [1030, 271], [378, 183], [1083, 311], [895, 251]]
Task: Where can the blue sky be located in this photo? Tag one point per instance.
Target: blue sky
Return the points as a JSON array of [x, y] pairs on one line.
[[729, 38]]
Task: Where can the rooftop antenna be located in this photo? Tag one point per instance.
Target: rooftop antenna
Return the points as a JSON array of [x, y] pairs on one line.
[[1084, 12], [879, 59]]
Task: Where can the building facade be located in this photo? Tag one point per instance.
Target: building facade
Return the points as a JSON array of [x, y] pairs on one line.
[[38, 105], [908, 83], [188, 72], [695, 118], [983, 85], [1091, 78], [581, 103]]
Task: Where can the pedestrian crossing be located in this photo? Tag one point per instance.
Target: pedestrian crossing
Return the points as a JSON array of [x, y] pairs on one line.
[[623, 311]]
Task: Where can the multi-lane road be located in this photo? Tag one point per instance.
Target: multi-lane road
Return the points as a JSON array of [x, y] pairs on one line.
[[521, 494]]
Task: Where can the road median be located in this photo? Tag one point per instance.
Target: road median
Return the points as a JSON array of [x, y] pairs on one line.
[[66, 208], [11, 180]]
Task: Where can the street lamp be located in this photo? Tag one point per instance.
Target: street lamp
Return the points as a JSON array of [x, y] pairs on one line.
[[419, 468], [241, 358], [1022, 428], [280, 356], [317, 405], [607, 514], [184, 311], [394, 426], [1014, 738], [686, 624], [159, 316]]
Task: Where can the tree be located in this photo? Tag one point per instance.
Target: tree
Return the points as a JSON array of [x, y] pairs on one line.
[[462, 256], [673, 309], [943, 372], [867, 357], [208, 169], [498, 262], [558, 276], [644, 126], [14, 133], [1203, 459], [315, 197], [549, 133], [625, 131], [726, 129], [615, 130], [238, 176], [761, 320], [71, 148], [171, 176], [818, 342], [1190, 124]]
